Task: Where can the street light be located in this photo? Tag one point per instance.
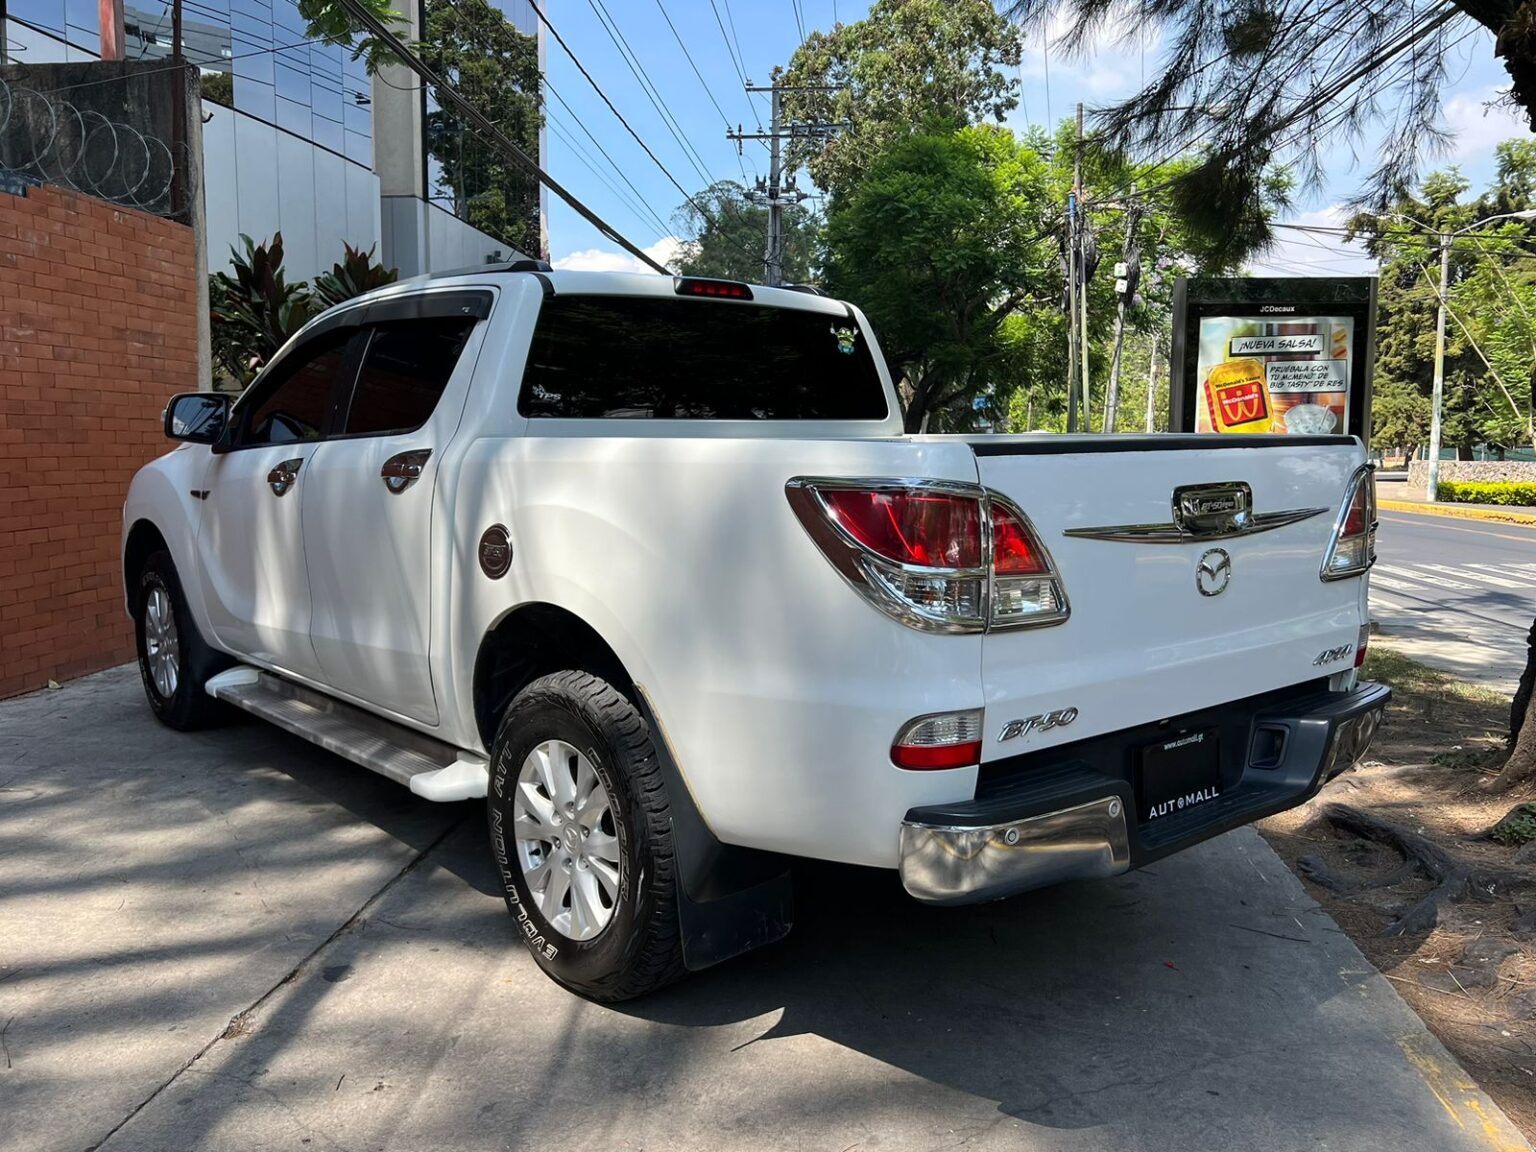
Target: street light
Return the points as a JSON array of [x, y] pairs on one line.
[[1432, 485]]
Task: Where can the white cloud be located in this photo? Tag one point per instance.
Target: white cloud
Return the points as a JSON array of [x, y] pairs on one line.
[[1300, 253], [1109, 64], [664, 251], [1475, 126]]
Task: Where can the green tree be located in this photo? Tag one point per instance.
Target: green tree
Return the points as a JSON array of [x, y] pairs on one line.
[[1490, 347], [909, 66], [723, 235], [329, 20], [496, 68], [1258, 80], [940, 243]]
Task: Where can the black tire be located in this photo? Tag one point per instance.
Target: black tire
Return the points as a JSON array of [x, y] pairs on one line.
[[639, 949], [187, 706]]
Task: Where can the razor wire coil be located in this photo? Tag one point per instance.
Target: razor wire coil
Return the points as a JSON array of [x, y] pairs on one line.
[[47, 138]]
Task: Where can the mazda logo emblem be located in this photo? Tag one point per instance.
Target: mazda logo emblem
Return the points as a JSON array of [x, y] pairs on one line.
[[1214, 572]]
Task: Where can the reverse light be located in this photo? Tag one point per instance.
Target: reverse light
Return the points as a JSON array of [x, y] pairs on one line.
[[939, 740], [1352, 550], [1362, 644], [938, 556]]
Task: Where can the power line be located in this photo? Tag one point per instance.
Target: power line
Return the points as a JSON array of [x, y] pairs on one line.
[[689, 56], [582, 68], [735, 63], [702, 82], [669, 122], [596, 143], [731, 20], [799, 19], [447, 91]]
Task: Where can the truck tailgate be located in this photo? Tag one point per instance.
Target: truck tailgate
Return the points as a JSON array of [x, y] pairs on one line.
[[1150, 637]]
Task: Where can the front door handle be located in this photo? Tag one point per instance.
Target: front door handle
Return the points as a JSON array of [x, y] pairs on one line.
[[404, 469], [284, 476]]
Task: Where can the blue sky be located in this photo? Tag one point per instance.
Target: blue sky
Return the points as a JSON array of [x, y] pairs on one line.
[[767, 33]]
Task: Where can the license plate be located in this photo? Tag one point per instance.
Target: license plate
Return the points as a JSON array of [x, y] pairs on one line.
[[1179, 773]]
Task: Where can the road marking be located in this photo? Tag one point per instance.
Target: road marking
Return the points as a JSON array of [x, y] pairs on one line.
[[1471, 572], [1427, 578], [1438, 522], [1378, 580]]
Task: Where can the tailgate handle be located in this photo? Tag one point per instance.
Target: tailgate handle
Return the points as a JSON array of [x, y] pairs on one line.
[[1213, 509]]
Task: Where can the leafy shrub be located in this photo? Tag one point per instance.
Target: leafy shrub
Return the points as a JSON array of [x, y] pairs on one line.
[[1518, 826], [1515, 492], [357, 273], [254, 310]]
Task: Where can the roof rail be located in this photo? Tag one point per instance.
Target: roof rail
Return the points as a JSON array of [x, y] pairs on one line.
[[521, 264], [809, 289]]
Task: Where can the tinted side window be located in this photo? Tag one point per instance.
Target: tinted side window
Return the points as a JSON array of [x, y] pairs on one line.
[[668, 358], [295, 406], [404, 372]]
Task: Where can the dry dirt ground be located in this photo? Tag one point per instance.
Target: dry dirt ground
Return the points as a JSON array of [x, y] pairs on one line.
[[1465, 961]]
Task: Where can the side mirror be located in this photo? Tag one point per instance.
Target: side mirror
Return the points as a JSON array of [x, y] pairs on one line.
[[197, 417]]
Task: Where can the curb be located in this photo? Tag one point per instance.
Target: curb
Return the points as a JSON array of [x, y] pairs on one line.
[[1427, 509]]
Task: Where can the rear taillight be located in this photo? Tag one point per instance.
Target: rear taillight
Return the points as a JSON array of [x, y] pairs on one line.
[[1352, 550], [937, 556], [941, 740]]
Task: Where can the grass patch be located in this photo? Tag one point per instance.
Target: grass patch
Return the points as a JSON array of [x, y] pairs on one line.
[[1398, 671]]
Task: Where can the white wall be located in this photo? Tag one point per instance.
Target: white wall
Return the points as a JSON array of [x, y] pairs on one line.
[[260, 180], [421, 237]]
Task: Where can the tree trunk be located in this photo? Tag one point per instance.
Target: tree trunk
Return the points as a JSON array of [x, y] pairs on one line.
[[1522, 702], [1521, 765]]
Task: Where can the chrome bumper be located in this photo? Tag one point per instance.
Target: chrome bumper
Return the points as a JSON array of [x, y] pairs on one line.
[[947, 865], [990, 856]]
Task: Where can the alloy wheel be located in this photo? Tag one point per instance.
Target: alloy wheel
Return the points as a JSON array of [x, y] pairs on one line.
[[567, 843]]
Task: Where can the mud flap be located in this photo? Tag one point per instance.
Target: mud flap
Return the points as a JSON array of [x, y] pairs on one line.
[[730, 900]]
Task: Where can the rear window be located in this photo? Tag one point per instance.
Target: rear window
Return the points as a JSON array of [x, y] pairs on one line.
[[640, 357]]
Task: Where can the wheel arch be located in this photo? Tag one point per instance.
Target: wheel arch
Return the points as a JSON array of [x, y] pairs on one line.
[[533, 640], [143, 540]]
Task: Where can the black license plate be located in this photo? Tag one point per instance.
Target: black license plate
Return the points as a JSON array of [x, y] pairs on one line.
[[1179, 773]]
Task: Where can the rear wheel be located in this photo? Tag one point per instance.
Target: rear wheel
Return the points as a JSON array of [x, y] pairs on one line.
[[174, 662], [581, 832]]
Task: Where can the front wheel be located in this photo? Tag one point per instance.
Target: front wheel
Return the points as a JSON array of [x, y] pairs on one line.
[[174, 663], [581, 831]]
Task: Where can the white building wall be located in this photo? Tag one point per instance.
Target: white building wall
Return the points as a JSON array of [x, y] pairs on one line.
[[260, 180]]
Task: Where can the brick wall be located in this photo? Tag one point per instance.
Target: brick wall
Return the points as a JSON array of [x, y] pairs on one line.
[[98, 326]]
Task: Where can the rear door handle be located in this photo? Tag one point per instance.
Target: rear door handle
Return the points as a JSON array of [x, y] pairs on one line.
[[284, 476], [404, 469]]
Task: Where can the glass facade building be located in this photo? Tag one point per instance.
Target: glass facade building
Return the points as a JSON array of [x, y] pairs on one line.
[[296, 151]]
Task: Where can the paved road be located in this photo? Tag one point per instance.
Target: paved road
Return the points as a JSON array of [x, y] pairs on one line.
[[1458, 594], [235, 941]]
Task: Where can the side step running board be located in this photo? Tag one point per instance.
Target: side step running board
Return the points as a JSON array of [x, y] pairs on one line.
[[430, 768]]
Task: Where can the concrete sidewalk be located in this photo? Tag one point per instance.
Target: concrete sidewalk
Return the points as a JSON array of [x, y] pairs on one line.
[[235, 941]]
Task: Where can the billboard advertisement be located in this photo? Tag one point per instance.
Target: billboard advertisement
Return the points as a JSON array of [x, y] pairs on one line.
[[1276, 356]]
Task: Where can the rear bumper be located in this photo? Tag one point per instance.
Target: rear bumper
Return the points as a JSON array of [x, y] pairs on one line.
[[1071, 814]]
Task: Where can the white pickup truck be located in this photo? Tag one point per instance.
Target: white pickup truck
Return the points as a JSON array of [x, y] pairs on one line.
[[650, 564]]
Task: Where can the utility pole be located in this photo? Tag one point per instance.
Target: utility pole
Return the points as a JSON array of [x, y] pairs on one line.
[[1075, 389], [1082, 259], [1152, 384], [1072, 400], [1127, 274], [1432, 492], [777, 190]]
